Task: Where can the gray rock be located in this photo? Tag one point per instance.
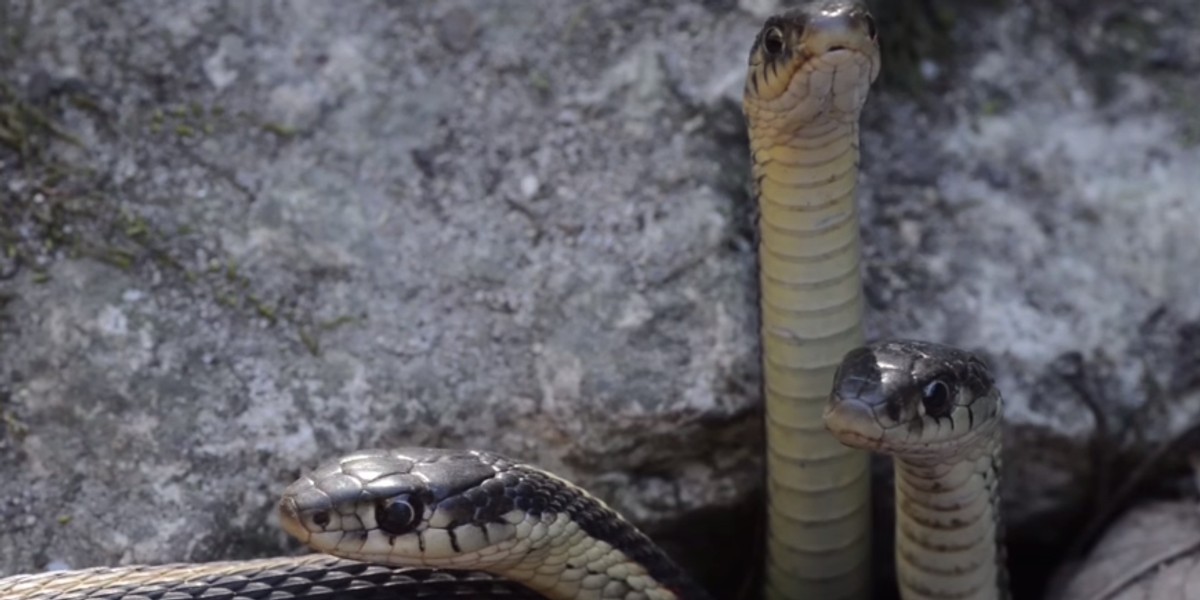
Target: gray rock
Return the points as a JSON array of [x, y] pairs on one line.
[[1150, 553], [262, 234], [312, 229]]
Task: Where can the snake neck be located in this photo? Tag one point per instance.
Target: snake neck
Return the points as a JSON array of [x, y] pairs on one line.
[[949, 534], [589, 551], [811, 315]]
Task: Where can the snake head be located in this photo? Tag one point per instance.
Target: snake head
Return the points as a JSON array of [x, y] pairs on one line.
[[476, 511], [406, 506], [819, 59], [912, 398]]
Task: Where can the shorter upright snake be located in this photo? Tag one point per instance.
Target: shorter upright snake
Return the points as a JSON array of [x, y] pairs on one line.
[[937, 411]]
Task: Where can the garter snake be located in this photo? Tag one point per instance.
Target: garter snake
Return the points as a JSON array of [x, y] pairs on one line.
[[937, 410], [809, 74]]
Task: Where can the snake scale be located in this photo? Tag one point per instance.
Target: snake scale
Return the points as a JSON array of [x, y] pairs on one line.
[[424, 523]]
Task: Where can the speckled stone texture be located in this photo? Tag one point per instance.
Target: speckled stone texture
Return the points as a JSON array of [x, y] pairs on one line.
[[237, 238]]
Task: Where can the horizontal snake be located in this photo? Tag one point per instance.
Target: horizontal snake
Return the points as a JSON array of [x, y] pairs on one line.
[[425, 523]]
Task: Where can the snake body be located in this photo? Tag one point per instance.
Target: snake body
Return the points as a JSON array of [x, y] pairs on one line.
[[312, 577], [937, 410], [809, 74]]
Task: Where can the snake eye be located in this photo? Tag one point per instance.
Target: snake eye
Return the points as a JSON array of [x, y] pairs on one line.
[[936, 398], [398, 515], [773, 41], [321, 519], [871, 31]]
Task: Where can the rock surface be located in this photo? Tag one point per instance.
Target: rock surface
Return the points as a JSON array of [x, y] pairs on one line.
[[1151, 553], [240, 237]]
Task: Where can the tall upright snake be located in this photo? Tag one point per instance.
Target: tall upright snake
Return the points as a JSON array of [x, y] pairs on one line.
[[427, 523], [810, 71]]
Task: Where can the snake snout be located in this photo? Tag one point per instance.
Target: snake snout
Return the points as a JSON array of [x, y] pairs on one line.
[[290, 521], [853, 422]]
